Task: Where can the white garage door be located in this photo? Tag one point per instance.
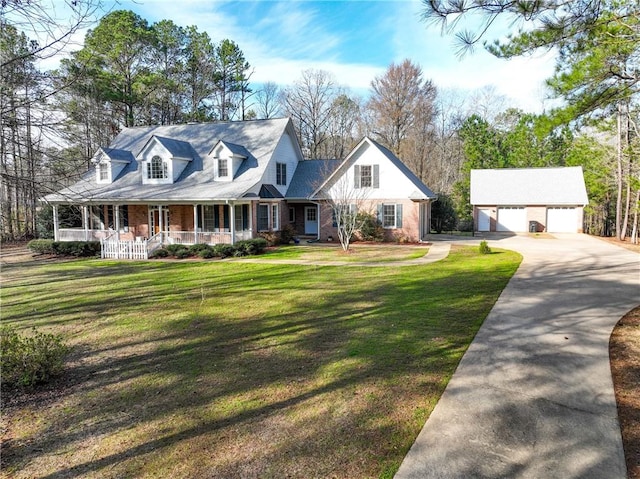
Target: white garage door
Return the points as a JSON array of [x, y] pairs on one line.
[[512, 219], [562, 220]]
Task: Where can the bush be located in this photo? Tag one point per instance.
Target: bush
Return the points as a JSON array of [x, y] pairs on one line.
[[207, 253], [196, 248], [250, 247], [29, 360], [272, 238], [183, 253], [159, 253], [287, 234], [77, 248], [41, 246], [224, 250], [484, 248], [173, 249], [465, 225], [370, 228]]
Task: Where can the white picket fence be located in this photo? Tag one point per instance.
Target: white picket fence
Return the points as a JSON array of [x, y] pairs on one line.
[[115, 249]]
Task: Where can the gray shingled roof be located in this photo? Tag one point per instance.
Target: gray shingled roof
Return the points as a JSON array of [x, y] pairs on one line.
[[178, 148], [259, 138], [308, 176], [236, 149], [528, 186], [118, 155]]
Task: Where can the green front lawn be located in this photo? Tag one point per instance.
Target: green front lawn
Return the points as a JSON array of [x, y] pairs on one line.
[[358, 253], [232, 369]]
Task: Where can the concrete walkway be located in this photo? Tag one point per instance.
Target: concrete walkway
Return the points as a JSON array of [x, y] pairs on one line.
[[533, 395]]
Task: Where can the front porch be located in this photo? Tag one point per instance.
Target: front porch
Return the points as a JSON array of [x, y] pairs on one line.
[[135, 231]]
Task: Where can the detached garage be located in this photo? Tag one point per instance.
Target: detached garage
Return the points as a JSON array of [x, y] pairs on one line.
[[528, 199]]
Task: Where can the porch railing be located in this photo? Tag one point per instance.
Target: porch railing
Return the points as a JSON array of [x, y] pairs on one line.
[[78, 234], [196, 237]]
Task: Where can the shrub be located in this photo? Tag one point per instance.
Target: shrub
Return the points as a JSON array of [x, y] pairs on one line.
[[465, 225], [159, 253], [207, 253], [183, 253], [196, 248], [250, 247], [29, 360], [484, 248], [174, 248], [287, 234], [224, 250], [77, 248], [41, 246], [370, 228], [272, 238]]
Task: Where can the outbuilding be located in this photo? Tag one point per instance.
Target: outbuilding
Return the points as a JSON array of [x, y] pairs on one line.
[[529, 199]]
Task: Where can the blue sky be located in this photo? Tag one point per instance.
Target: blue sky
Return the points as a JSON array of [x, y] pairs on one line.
[[355, 40]]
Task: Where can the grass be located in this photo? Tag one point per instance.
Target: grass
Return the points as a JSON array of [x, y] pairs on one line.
[[356, 253], [231, 369]]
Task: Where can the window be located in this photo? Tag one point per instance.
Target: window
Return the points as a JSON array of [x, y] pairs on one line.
[[242, 217], [390, 215], [223, 170], [281, 173], [104, 171], [263, 217], [208, 217], [157, 169], [275, 218], [292, 214], [366, 176], [268, 217]]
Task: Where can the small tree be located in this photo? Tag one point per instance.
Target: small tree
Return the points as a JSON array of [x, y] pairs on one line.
[[443, 214], [346, 201]]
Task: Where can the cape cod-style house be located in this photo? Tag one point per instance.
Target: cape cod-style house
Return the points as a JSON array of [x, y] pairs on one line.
[[224, 182]]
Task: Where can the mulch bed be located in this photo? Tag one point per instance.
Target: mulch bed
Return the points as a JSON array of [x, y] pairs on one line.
[[624, 351]]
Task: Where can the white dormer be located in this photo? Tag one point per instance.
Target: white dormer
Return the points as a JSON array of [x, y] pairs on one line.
[[163, 160], [227, 158], [109, 164]]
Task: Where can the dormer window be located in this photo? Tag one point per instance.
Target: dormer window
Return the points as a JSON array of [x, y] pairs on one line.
[[223, 168], [103, 169], [157, 169]]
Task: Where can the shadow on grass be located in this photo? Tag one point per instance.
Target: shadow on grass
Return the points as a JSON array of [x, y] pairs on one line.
[[312, 367]]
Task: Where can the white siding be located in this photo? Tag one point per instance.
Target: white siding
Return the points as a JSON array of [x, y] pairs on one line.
[[392, 182], [285, 153]]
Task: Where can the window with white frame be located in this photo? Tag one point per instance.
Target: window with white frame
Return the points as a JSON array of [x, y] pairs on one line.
[[275, 217], [223, 169], [157, 169], [103, 168], [268, 217], [366, 176], [390, 215], [281, 173]]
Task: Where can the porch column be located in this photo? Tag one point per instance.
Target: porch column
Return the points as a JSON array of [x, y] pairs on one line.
[[85, 221], [318, 209], [161, 222], [56, 224], [232, 222], [195, 224], [116, 211]]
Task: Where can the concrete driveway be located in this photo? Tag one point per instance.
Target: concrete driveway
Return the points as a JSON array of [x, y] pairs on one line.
[[533, 395]]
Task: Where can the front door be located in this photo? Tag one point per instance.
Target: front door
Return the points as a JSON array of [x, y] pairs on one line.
[[310, 220], [154, 219]]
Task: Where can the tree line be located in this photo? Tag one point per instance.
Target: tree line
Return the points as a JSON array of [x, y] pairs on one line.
[[129, 72]]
